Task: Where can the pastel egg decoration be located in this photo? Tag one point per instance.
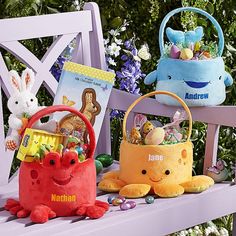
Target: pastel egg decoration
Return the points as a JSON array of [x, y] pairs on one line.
[[174, 52], [155, 137], [79, 149], [149, 199], [186, 54], [105, 159]]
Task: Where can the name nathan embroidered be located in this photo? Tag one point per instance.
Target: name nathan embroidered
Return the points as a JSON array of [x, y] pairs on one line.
[[63, 198], [196, 96], [155, 157]]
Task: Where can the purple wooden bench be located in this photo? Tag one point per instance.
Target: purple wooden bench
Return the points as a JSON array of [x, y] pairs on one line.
[[165, 215]]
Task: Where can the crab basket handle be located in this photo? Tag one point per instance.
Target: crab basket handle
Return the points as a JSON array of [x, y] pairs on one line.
[[59, 108]]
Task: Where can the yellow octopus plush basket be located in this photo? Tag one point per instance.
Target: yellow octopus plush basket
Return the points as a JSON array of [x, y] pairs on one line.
[[165, 170]]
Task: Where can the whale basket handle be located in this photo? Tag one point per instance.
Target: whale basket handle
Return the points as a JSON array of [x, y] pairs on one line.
[[197, 10], [184, 105], [59, 108]]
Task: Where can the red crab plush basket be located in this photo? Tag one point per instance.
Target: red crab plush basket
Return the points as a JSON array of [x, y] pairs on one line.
[[58, 185]]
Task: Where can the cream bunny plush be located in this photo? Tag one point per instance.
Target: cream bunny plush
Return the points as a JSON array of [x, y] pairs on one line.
[[22, 103]]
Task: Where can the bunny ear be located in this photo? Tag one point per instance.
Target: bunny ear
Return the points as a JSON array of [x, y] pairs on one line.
[[15, 80], [27, 79]]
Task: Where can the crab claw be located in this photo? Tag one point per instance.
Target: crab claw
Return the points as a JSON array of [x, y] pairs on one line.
[[13, 206], [94, 211], [41, 214]]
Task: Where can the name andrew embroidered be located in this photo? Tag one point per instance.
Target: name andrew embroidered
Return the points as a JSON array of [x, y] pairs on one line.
[[196, 96], [63, 198]]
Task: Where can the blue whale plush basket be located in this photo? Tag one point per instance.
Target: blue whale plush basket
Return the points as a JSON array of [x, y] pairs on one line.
[[197, 82]]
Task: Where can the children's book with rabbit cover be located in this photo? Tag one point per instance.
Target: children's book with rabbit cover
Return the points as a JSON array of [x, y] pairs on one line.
[[86, 89]]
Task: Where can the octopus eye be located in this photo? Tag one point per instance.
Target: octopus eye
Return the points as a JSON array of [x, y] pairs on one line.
[[167, 172], [169, 77], [72, 162], [144, 172]]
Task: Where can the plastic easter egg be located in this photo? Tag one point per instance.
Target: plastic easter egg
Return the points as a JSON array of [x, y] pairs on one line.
[[79, 150], [155, 137], [116, 202], [99, 166], [132, 204], [111, 198], [149, 199], [174, 52], [105, 159], [186, 54], [125, 206]]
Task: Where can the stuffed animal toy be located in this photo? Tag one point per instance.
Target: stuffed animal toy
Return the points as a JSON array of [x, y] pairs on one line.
[[189, 67], [22, 105]]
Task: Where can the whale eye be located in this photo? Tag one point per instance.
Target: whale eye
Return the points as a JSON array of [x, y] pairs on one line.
[[169, 77], [220, 77]]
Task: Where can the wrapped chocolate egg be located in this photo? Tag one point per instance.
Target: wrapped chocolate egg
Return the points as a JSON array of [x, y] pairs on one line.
[[111, 198], [186, 54], [149, 199], [155, 137], [147, 127], [132, 204], [117, 202], [125, 206], [105, 159], [135, 136]]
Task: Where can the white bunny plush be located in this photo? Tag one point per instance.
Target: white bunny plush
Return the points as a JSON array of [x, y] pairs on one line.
[[22, 103]]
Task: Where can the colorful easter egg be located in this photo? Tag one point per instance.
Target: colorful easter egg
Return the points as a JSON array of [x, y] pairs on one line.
[[135, 136], [99, 166], [149, 199], [111, 198], [79, 149], [174, 52], [186, 54], [132, 204], [155, 137], [105, 159], [125, 206], [122, 198], [116, 202]]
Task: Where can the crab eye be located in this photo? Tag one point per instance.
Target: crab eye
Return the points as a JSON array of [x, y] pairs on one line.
[[220, 77], [169, 77], [144, 172], [52, 162], [52, 159], [69, 158], [167, 172]]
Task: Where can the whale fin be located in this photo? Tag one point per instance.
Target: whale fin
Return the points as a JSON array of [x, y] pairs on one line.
[[228, 79], [175, 36], [151, 77], [194, 36]]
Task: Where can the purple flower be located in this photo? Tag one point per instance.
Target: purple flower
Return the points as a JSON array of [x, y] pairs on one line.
[[57, 67], [127, 44]]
